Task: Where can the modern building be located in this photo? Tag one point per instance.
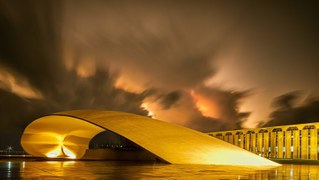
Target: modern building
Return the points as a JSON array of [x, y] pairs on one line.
[[67, 135], [297, 141]]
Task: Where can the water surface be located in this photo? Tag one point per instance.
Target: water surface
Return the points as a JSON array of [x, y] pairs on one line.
[[15, 169]]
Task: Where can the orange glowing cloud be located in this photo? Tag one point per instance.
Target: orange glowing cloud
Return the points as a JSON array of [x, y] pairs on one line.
[[126, 83], [146, 107], [205, 105], [86, 67], [18, 85], [179, 114], [68, 59]]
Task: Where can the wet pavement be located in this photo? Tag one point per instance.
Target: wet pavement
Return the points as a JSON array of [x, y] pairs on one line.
[[41, 169]]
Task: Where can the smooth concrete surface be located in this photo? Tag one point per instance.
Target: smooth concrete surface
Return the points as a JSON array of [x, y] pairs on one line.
[[67, 134]]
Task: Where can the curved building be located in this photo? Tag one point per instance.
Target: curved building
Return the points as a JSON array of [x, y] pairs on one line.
[[67, 135]]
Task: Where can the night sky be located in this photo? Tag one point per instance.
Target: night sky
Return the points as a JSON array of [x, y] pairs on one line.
[[207, 65]]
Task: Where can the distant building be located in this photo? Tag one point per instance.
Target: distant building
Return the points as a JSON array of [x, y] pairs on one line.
[[297, 141]]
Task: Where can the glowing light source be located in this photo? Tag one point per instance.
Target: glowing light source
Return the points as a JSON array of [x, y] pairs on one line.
[[55, 153], [61, 150], [68, 152]]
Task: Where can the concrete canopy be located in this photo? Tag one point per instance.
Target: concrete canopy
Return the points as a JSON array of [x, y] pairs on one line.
[[67, 135]]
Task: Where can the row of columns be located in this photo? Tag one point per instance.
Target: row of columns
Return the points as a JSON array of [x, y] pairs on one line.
[[292, 142]]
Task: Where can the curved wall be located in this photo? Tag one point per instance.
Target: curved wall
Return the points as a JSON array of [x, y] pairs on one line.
[[68, 134]]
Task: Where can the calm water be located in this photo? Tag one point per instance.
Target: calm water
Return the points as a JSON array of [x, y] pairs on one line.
[[15, 169]]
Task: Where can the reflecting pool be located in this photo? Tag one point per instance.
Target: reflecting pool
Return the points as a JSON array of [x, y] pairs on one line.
[[15, 169]]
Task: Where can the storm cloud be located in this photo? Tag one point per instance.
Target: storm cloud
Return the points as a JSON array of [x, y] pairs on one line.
[[146, 57], [224, 113], [294, 108], [31, 60], [171, 47]]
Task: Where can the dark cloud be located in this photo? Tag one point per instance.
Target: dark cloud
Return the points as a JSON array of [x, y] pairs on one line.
[[172, 52], [175, 49], [30, 40], [207, 124], [73, 53], [286, 101], [223, 114], [290, 111], [15, 114], [31, 49], [226, 105], [170, 99]]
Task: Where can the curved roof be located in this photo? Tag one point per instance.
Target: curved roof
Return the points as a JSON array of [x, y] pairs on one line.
[[67, 134]]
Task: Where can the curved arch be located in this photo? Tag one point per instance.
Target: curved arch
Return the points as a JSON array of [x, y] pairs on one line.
[[67, 134], [58, 136], [250, 132], [309, 127], [239, 133], [263, 131], [293, 128]]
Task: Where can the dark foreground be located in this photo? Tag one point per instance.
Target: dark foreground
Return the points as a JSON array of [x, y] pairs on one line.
[[41, 169]]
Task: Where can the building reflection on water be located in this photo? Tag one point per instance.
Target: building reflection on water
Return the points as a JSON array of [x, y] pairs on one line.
[[289, 171], [15, 169]]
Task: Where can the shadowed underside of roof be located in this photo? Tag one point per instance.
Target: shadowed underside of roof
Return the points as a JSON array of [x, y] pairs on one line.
[[67, 135]]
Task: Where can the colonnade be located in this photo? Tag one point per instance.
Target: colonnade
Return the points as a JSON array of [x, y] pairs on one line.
[[298, 141]]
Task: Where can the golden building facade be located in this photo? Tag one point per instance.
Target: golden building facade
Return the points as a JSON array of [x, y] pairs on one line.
[[298, 141]]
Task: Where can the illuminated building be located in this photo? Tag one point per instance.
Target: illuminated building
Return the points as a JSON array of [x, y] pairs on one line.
[[297, 141], [67, 135]]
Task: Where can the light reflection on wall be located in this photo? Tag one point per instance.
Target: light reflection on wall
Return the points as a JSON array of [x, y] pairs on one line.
[[61, 151], [54, 153], [47, 138], [68, 152]]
